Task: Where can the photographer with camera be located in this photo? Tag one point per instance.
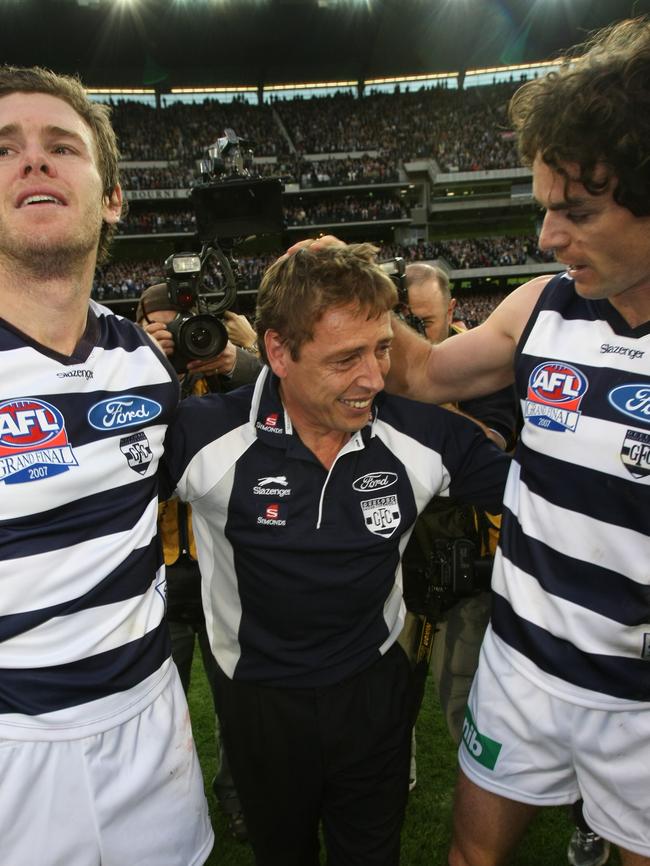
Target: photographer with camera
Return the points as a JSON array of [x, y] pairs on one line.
[[185, 615], [304, 490]]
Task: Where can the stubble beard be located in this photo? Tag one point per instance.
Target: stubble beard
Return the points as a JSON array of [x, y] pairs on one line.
[[43, 258]]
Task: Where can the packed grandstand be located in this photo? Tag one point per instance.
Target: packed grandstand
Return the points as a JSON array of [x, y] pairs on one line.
[[344, 161]]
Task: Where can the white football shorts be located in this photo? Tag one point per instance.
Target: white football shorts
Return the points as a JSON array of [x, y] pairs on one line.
[[130, 796], [525, 744]]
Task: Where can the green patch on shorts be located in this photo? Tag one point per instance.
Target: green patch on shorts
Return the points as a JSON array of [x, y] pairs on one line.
[[481, 748]]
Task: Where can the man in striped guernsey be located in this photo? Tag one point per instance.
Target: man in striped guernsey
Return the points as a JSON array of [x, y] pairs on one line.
[[560, 708], [93, 721]]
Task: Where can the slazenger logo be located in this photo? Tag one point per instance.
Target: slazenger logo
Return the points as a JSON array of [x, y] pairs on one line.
[[632, 400], [123, 411], [33, 441], [555, 392], [76, 374], [381, 515], [481, 748], [635, 453], [262, 487], [374, 481], [608, 349]]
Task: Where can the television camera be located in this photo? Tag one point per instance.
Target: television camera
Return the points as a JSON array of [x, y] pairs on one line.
[[230, 205]]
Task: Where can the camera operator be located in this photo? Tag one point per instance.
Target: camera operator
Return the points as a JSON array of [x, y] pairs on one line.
[[459, 634], [185, 616]]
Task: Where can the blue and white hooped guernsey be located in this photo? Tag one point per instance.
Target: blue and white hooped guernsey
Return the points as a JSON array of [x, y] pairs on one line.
[[572, 575], [83, 644], [301, 566]]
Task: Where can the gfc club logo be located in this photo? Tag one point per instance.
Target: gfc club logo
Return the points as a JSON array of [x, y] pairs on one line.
[[33, 441]]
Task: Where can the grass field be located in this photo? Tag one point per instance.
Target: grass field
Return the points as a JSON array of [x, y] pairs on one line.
[[426, 833]]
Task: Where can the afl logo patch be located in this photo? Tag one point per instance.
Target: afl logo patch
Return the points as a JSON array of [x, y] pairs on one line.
[[33, 441], [374, 481], [123, 411], [28, 423], [555, 392], [632, 400]]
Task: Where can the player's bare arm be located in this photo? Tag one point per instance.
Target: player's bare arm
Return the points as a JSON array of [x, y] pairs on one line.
[[474, 363]]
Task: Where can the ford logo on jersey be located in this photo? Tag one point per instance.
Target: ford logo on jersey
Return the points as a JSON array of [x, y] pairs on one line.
[[33, 441], [123, 411], [555, 392], [632, 400], [374, 481]]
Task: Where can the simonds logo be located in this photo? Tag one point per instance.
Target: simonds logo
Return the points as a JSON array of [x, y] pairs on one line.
[[632, 400], [374, 481], [123, 411]]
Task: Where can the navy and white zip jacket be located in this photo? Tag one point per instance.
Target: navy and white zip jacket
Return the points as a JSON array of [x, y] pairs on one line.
[[301, 565]]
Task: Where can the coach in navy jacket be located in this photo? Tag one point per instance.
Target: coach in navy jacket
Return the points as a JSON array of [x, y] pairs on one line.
[[304, 489]]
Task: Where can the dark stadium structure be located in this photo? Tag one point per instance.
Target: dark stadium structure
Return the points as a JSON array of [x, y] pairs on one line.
[[171, 43], [429, 174]]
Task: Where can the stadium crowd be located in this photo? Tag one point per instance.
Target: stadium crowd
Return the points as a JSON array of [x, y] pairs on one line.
[[463, 130]]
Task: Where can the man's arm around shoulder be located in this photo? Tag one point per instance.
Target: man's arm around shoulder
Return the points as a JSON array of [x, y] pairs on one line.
[[476, 362]]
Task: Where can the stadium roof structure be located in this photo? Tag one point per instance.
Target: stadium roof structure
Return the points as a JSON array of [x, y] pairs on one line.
[[177, 43]]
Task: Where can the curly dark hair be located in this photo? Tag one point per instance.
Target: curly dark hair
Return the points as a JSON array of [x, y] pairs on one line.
[[298, 289], [594, 112]]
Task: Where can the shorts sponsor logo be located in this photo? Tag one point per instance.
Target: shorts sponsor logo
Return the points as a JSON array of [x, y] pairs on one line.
[[33, 441], [633, 354], [123, 411], [632, 400], [374, 481], [635, 453], [555, 392], [481, 748], [272, 485], [381, 515], [137, 451], [274, 514]]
